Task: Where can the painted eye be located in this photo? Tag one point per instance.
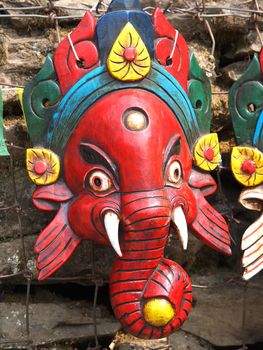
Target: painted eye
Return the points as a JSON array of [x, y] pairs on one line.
[[99, 181], [174, 172]]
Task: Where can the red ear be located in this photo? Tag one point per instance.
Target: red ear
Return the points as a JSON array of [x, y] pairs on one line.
[[203, 182], [165, 48], [210, 227], [50, 197], [67, 68], [55, 244]]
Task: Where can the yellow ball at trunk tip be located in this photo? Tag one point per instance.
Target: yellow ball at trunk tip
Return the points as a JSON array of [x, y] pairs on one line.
[[158, 312]]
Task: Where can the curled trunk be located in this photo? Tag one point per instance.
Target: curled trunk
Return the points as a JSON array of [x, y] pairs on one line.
[[150, 295]]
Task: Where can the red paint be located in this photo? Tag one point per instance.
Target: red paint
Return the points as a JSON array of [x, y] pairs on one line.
[[180, 296], [203, 182], [143, 199], [130, 54], [144, 149], [141, 195], [209, 226], [261, 60], [183, 196], [177, 64], [40, 167], [55, 244], [140, 200], [249, 167], [209, 153], [68, 70], [48, 198], [139, 191], [86, 216]]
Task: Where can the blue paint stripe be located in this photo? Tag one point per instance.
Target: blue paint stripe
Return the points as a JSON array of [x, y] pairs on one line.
[[183, 94], [98, 83], [258, 134], [71, 96], [172, 88]]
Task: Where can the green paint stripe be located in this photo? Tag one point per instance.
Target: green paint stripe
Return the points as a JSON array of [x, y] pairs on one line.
[[3, 148]]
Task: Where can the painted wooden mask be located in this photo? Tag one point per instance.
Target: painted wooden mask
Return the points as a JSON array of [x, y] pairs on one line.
[[246, 107], [116, 117]]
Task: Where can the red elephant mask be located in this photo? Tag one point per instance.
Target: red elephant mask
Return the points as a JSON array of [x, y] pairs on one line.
[[124, 145]]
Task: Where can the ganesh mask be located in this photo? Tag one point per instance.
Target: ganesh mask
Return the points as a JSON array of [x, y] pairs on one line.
[[113, 156]]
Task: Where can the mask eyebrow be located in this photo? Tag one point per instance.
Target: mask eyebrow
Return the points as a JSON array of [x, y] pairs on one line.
[[173, 148], [94, 155]]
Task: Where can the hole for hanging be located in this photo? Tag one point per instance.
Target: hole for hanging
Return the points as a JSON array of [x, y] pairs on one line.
[[251, 107], [46, 102], [169, 61], [198, 104], [80, 63]]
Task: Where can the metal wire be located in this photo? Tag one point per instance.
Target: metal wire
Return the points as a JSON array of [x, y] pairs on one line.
[[12, 85], [200, 12], [26, 274], [174, 10], [26, 8]]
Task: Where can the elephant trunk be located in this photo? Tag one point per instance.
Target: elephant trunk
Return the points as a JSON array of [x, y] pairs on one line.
[[150, 295]]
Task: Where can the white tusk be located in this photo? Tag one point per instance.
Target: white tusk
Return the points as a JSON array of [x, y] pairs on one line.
[[178, 218], [111, 223]]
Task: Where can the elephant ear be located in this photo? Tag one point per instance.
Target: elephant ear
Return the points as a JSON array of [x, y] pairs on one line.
[[80, 43], [57, 241], [209, 226], [203, 182], [252, 240], [199, 93], [206, 150], [41, 98], [55, 244], [3, 149], [49, 198], [245, 102], [171, 50], [246, 107]]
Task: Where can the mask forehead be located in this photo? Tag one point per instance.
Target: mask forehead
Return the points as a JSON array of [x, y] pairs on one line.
[[134, 129]]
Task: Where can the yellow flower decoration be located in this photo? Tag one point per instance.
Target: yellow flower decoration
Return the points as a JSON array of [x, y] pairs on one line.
[[129, 59], [207, 153], [43, 166], [247, 165]]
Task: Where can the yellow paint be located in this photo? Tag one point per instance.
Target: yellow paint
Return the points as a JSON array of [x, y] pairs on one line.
[[46, 157], [238, 157], [158, 312], [20, 92], [205, 142], [125, 70]]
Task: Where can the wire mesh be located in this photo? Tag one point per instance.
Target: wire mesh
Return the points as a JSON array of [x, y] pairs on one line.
[[199, 11], [25, 272]]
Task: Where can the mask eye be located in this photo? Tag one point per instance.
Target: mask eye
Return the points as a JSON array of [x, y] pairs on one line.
[[98, 181], [174, 173]]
